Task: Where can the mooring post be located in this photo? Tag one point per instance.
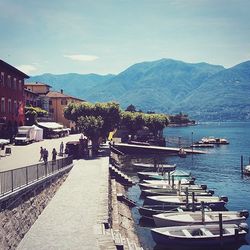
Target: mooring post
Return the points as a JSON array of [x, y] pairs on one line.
[[221, 229], [193, 208], [236, 234], [173, 181], [179, 187], [187, 197], [202, 212], [168, 178], [241, 164]]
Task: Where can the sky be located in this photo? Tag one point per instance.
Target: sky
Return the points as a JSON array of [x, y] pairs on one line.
[[108, 36]]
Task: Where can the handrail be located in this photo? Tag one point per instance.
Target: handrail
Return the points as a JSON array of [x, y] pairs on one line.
[[12, 180]]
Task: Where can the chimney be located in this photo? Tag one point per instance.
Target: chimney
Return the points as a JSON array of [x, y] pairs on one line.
[[61, 91]]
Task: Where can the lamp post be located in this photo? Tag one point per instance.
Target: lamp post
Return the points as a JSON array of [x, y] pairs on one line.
[[192, 138], [179, 141]]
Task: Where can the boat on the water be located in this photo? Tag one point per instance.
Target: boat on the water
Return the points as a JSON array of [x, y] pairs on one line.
[[199, 235], [174, 192], [178, 174], [214, 141], [246, 170], [167, 185], [199, 217], [154, 167], [147, 211], [202, 145], [215, 202]]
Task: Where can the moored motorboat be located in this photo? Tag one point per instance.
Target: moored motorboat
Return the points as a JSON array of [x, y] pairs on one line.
[[246, 170], [178, 174], [148, 211], [154, 167], [171, 191], [166, 185], [199, 217], [199, 235], [215, 202]]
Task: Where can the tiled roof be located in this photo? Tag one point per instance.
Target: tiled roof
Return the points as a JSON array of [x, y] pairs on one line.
[[36, 84], [55, 94]]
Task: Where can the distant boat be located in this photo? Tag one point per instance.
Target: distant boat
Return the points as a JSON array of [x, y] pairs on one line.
[[154, 167], [199, 235], [216, 202], [247, 170], [212, 140], [199, 217], [202, 145]]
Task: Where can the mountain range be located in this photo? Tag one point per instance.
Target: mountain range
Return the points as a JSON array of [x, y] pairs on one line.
[[202, 90]]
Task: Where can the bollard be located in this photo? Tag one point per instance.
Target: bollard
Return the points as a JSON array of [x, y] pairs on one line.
[[241, 164], [173, 181], [187, 197], [221, 229], [202, 212], [193, 207], [179, 187], [236, 234], [169, 178]]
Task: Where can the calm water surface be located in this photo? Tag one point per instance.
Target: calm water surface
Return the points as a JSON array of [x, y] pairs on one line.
[[219, 168]]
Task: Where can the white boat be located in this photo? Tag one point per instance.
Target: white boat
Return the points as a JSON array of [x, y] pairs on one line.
[[178, 174], [166, 185], [199, 235], [215, 202], [247, 170], [199, 217], [182, 192], [176, 182], [152, 167]]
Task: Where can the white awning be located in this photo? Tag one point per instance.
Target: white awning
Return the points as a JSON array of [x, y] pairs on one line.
[[50, 125]]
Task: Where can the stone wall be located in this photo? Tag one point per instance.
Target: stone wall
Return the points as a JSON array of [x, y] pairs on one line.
[[20, 214]]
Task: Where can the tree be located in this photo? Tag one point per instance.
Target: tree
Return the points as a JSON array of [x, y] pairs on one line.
[[31, 114], [133, 121], [100, 118], [156, 123], [131, 108]]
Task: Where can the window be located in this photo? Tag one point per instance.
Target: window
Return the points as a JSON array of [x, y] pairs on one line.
[[9, 106], [64, 102], [2, 79], [15, 107], [14, 83], [3, 104], [20, 84], [51, 111], [50, 102], [9, 81]]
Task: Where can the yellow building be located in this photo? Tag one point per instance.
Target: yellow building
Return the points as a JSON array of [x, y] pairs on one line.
[[57, 103]]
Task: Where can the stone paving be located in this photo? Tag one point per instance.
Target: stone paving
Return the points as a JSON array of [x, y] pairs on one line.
[[72, 220], [24, 155]]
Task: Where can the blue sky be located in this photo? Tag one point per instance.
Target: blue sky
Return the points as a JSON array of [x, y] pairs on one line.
[[107, 36]]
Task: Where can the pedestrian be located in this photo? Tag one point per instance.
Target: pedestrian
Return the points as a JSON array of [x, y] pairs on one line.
[[61, 149], [45, 155], [54, 153], [41, 154]]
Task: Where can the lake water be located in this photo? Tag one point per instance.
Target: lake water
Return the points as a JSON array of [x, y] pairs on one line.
[[219, 168]]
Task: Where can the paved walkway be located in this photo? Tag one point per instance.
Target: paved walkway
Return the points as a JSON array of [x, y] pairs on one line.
[[25, 155], [72, 218]]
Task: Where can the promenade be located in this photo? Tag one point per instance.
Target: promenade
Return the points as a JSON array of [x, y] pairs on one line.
[[73, 218]]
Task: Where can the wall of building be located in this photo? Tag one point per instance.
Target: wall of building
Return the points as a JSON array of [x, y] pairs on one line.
[[11, 100]]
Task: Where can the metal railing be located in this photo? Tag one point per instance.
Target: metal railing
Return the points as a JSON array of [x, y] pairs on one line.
[[12, 180]]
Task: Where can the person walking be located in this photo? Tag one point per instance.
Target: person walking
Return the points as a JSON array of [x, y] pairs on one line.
[[54, 153], [41, 154], [61, 149], [45, 155]]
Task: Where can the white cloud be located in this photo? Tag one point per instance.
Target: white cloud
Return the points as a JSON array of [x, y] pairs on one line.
[[83, 58], [27, 69]]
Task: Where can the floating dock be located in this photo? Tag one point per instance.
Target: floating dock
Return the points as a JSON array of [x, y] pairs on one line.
[[135, 149]]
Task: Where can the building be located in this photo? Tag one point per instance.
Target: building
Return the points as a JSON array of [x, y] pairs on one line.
[[12, 100], [41, 89], [57, 103], [30, 98]]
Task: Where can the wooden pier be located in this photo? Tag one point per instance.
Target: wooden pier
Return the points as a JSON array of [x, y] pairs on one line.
[[135, 149]]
